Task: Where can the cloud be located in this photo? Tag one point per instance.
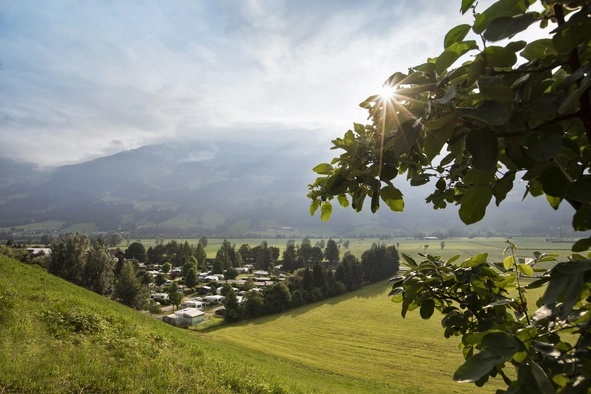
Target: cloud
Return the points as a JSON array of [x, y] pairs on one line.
[[79, 76]]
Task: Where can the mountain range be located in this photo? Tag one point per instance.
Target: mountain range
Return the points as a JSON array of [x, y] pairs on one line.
[[195, 187]]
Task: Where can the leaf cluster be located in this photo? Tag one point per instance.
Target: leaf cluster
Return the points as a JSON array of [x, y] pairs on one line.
[[484, 303], [476, 118]]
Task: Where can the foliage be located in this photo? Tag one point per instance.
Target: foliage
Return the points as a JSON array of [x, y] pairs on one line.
[[331, 253], [230, 273], [129, 290], [497, 120], [548, 348], [191, 278], [203, 241], [174, 295], [136, 251]]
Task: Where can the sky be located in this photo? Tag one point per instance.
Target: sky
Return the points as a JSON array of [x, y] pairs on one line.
[[82, 79]]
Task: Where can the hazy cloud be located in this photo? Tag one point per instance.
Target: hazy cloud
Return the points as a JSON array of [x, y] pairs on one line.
[[86, 79]]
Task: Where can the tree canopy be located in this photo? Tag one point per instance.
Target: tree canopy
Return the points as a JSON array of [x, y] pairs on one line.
[[478, 117]]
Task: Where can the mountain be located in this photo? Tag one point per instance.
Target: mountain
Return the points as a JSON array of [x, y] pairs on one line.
[[198, 187]]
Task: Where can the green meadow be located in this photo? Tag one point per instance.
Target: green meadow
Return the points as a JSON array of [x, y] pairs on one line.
[[57, 337]]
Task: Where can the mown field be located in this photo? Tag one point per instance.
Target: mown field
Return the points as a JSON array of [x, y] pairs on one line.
[[355, 343]]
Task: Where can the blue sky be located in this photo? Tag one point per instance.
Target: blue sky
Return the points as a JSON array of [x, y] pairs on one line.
[[84, 79]]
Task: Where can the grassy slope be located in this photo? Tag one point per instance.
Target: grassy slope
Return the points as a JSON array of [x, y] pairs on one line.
[[57, 337], [355, 343]]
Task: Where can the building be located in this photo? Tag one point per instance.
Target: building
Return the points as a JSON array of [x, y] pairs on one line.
[[188, 316]]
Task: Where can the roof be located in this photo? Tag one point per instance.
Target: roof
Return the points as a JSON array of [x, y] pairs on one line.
[[191, 312]]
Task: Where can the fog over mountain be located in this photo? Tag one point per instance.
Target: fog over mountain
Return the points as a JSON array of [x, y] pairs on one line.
[[229, 188]]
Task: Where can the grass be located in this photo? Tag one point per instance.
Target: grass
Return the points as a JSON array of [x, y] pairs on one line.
[[47, 225], [86, 228], [355, 343], [56, 338]]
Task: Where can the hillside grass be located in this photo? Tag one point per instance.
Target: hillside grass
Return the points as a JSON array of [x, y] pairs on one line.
[[58, 338], [46, 225]]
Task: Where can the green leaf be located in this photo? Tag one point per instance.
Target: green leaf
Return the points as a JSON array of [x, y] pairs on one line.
[[393, 198], [475, 70], [337, 184], [502, 344], [427, 308], [456, 34], [582, 245], [553, 201], [554, 182], [547, 146], [572, 33], [582, 218], [539, 49], [544, 384], [495, 89], [466, 4], [476, 260], [477, 366], [508, 262], [343, 200], [314, 207], [504, 27], [323, 168], [525, 269], [499, 57], [499, 9], [482, 144], [453, 53], [406, 137], [516, 46], [420, 179], [474, 203], [436, 140], [572, 100], [491, 112], [325, 211], [503, 186], [440, 122]]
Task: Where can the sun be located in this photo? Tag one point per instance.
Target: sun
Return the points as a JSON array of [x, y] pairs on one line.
[[387, 92]]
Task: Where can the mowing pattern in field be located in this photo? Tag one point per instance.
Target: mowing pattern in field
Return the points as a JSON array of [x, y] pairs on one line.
[[353, 343]]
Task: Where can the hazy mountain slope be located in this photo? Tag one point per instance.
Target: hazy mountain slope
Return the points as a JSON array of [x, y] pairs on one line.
[[140, 189]]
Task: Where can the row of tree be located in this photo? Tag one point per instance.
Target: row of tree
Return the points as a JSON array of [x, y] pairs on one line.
[[314, 283], [91, 266]]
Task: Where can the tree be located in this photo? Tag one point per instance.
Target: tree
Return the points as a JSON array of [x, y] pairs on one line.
[[497, 120], [160, 279], [115, 239], [99, 273], [331, 253], [191, 278], [129, 290], [233, 311], [442, 244], [68, 258], [166, 267], [136, 251], [174, 295], [230, 273], [203, 241], [201, 256]]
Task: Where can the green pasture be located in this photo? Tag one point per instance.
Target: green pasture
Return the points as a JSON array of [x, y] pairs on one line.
[[354, 343], [47, 225], [86, 228]]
